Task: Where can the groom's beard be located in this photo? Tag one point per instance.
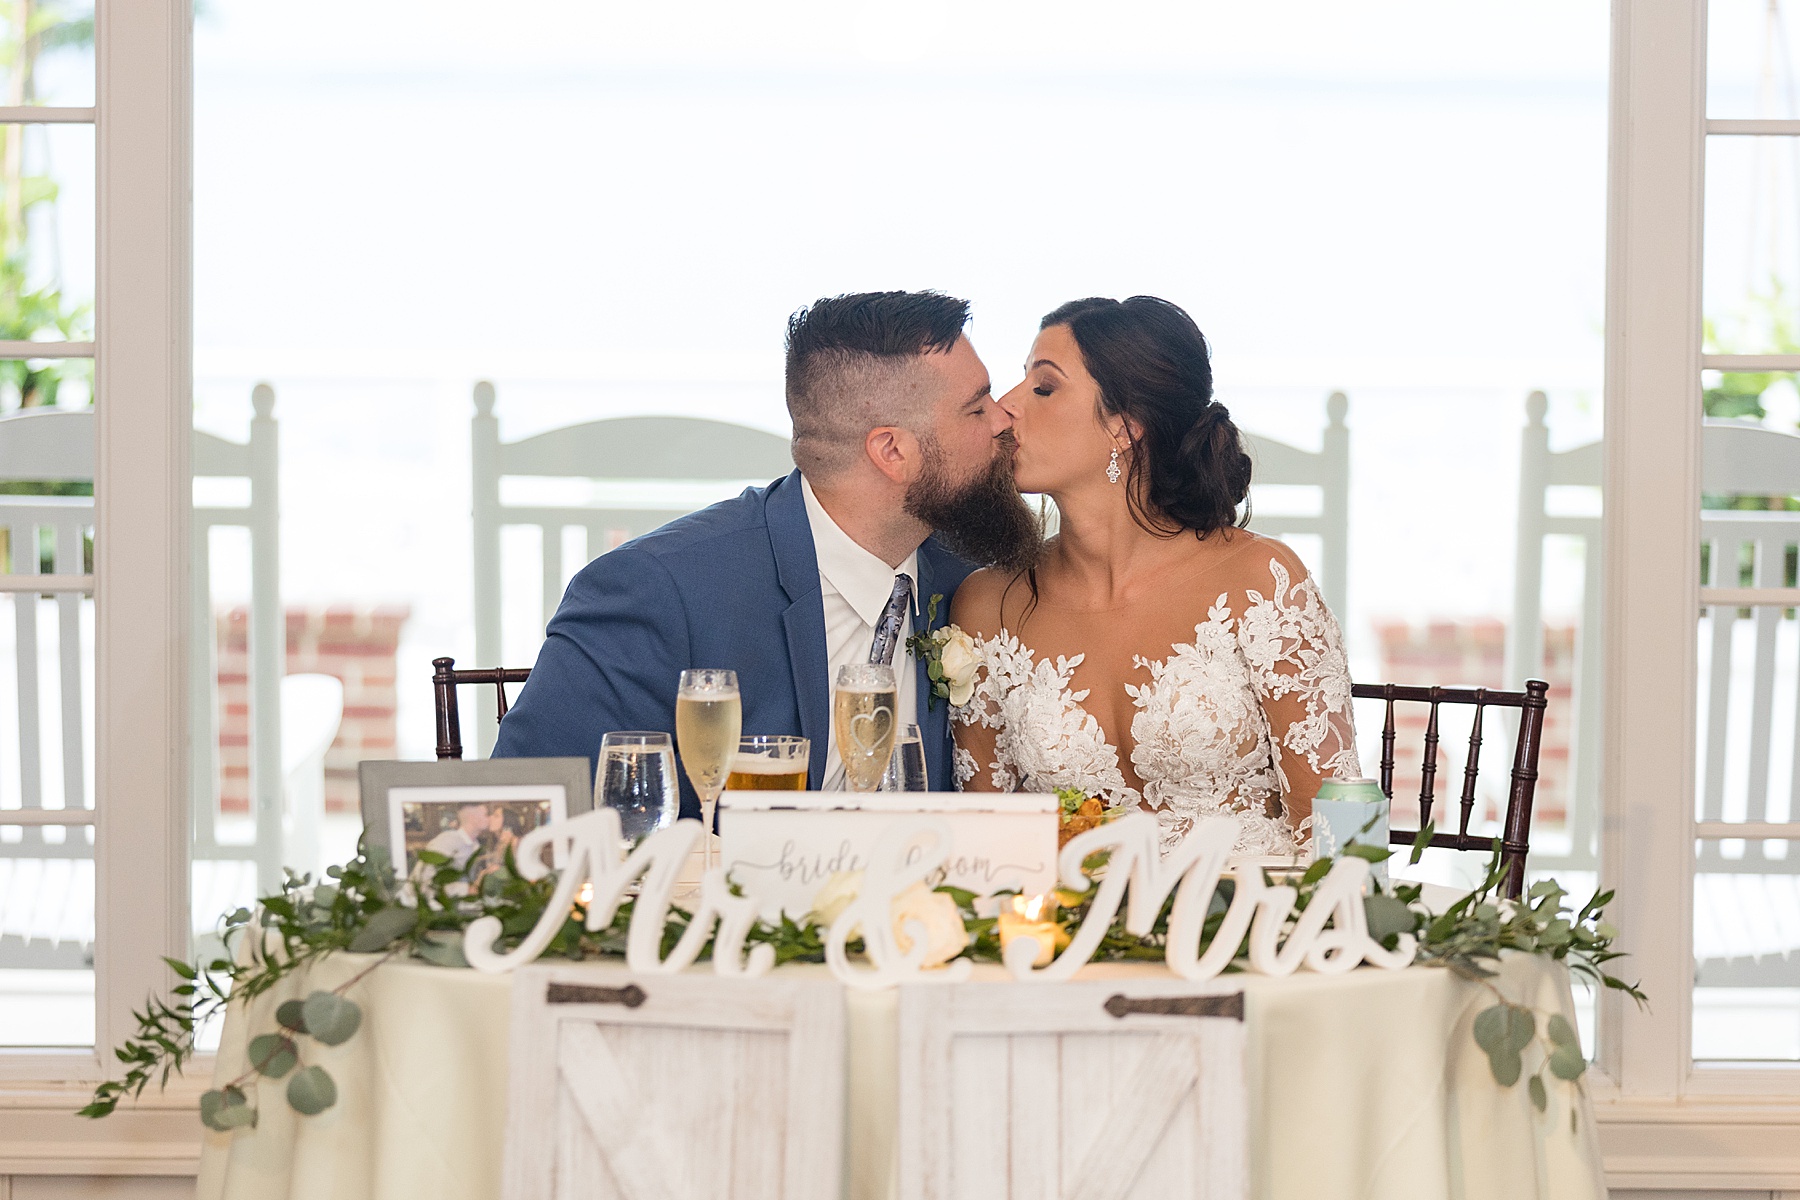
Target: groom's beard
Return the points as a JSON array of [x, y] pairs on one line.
[[983, 521]]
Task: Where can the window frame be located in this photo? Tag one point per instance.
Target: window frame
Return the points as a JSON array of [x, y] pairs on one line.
[[142, 350], [1663, 1122]]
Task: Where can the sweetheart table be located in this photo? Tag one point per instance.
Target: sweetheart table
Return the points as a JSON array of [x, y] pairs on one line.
[[1361, 1085]]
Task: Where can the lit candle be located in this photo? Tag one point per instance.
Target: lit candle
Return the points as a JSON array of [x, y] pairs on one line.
[[1033, 917]]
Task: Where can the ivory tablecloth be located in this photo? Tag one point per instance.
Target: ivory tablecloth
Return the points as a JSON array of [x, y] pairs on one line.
[[1365, 1085]]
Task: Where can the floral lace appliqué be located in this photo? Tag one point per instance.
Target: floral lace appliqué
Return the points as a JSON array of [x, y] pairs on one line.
[[1203, 739], [1033, 709]]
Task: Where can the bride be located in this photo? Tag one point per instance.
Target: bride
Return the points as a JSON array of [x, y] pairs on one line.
[[1157, 655]]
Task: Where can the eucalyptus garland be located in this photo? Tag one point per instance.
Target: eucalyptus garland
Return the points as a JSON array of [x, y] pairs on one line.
[[361, 907]]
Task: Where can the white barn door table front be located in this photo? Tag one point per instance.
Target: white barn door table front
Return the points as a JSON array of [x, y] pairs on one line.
[[1075, 1091], [1359, 1085]]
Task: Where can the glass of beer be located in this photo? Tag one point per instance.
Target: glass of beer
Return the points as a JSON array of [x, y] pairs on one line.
[[769, 763], [708, 719], [864, 722]]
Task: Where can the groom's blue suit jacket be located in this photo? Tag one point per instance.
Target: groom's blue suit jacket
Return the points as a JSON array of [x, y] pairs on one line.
[[733, 586]]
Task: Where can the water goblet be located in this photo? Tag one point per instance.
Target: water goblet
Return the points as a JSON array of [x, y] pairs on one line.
[[636, 779]]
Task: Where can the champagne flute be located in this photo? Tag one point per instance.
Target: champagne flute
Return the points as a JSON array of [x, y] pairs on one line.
[[863, 718], [906, 769], [708, 719]]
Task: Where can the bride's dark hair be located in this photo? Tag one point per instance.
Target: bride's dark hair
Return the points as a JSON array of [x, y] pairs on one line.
[[1189, 470]]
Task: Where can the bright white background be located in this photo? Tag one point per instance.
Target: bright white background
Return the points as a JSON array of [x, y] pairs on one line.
[[612, 209]]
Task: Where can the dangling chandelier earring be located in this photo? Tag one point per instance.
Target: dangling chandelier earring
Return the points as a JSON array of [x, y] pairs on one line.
[[1112, 467]]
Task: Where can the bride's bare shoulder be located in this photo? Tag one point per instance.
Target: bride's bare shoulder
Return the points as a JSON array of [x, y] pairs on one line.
[[1251, 559], [978, 604]]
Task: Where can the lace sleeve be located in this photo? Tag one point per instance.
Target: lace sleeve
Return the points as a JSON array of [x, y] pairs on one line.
[[1295, 654], [977, 733]]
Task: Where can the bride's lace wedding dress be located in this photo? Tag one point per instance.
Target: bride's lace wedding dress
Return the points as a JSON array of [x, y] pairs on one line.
[[1231, 683]]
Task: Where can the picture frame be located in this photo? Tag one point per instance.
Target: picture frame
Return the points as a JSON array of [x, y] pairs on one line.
[[467, 808]]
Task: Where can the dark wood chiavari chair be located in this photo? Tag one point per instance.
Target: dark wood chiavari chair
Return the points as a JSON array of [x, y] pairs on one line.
[[1515, 838], [446, 679]]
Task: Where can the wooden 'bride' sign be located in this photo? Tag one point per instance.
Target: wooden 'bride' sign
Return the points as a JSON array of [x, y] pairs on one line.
[[908, 852]]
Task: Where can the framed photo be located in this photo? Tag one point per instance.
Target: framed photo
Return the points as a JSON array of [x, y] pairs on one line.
[[467, 811]]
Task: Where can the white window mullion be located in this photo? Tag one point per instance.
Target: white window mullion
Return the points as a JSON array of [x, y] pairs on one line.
[[142, 498], [1652, 542]]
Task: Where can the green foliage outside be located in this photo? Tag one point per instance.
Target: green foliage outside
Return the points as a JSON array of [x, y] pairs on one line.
[[28, 30]]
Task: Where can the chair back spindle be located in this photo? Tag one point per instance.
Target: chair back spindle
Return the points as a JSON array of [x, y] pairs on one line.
[[1428, 766], [445, 679], [1473, 763], [1387, 743], [1515, 839]]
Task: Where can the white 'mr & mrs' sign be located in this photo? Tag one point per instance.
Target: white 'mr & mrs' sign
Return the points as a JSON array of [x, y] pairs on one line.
[[913, 848]]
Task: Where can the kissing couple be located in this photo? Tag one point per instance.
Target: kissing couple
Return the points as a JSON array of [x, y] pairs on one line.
[[1153, 653]]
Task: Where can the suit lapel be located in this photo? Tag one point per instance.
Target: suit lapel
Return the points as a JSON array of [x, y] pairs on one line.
[[934, 723], [803, 621]]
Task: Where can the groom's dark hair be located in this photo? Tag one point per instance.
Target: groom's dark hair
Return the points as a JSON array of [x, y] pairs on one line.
[[847, 359]]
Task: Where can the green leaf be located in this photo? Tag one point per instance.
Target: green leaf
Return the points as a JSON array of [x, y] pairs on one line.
[[272, 1054], [1490, 1027], [442, 948], [330, 1017], [384, 928], [1422, 841], [1319, 870], [311, 1091], [1561, 1033], [1374, 854], [1540, 1099], [291, 1014], [1503, 1030], [1566, 1062], [1386, 916], [226, 1109], [182, 969]]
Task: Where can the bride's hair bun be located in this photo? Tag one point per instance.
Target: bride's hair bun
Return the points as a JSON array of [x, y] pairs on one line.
[[1154, 368]]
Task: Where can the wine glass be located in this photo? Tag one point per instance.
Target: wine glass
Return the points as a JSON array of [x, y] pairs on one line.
[[863, 719], [906, 768], [636, 779], [708, 719]]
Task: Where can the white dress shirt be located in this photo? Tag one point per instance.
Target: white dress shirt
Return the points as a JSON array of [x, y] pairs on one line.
[[855, 587]]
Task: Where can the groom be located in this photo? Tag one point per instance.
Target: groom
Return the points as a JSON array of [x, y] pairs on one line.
[[896, 434]]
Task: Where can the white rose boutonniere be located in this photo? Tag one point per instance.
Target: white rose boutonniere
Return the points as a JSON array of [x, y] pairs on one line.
[[950, 659]]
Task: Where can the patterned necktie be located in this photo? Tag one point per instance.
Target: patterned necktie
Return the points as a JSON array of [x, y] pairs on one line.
[[887, 630]]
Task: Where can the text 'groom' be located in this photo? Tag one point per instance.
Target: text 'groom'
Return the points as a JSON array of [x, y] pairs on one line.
[[895, 435]]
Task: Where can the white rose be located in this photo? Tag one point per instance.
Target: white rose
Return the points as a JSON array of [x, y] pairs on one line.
[[945, 936], [836, 896], [959, 662]]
